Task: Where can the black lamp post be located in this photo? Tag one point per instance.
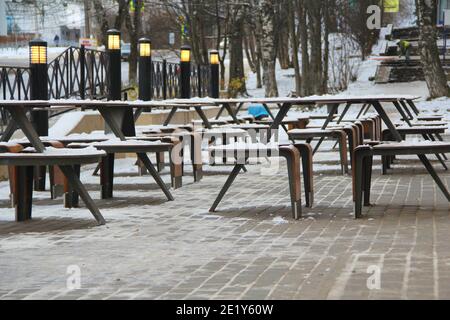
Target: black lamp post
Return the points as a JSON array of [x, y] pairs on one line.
[[185, 72], [39, 91], [114, 65], [39, 83], [115, 80], [214, 69], [145, 70]]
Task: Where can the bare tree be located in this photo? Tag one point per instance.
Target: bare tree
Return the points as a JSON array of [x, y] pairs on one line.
[[269, 50], [133, 23], [432, 68], [236, 85]]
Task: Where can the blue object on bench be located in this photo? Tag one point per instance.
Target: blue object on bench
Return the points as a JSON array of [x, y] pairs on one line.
[[258, 111]]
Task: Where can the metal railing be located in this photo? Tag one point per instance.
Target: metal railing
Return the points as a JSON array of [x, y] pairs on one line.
[[78, 72], [82, 74], [14, 83]]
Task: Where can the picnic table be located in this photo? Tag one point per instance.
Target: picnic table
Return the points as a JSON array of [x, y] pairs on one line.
[[17, 109], [404, 104], [198, 104], [113, 112]]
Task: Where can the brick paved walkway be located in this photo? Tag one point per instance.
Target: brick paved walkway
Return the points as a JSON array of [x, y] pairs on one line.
[[250, 249]]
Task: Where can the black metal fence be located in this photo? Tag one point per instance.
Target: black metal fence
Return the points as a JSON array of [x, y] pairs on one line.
[[14, 83], [81, 73], [78, 72]]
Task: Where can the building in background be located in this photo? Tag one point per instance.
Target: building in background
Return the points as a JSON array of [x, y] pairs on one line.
[[45, 19], [443, 5], [3, 19]]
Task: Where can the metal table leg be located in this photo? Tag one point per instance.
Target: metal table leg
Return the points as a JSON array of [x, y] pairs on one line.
[[423, 158], [220, 111], [19, 116], [231, 112], [170, 116], [112, 117], [334, 108], [237, 168], [380, 110], [272, 116], [152, 170], [76, 184], [413, 106], [203, 117], [9, 131], [344, 112]]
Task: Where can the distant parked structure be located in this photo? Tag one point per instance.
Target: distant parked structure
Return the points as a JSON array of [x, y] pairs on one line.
[[69, 36], [43, 19], [443, 5], [3, 19]]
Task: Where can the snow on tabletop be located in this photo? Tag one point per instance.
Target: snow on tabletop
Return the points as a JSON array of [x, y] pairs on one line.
[[116, 141], [222, 130], [59, 152], [198, 100], [247, 146], [310, 130]]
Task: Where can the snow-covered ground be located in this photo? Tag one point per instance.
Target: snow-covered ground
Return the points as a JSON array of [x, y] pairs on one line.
[[362, 86]]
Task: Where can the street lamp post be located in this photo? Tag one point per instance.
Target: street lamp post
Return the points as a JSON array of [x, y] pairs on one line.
[[115, 80], [39, 83], [214, 72], [114, 65], [145, 71], [39, 91], [185, 72]]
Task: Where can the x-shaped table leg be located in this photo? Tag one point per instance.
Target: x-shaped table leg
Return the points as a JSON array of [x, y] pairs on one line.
[[423, 158], [113, 117], [19, 116], [170, 116]]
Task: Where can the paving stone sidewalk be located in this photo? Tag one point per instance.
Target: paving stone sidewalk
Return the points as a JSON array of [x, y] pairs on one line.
[[250, 249]]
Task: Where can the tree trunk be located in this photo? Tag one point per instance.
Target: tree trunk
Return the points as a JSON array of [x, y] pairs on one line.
[[281, 16], [236, 85], [134, 27], [326, 52], [314, 16], [269, 48], [303, 31], [294, 46], [429, 54], [258, 36]]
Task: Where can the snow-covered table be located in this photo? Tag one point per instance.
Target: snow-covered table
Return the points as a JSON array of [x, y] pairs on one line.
[[17, 109], [113, 112]]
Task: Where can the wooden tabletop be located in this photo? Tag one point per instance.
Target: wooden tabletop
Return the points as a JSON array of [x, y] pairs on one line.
[[205, 102]]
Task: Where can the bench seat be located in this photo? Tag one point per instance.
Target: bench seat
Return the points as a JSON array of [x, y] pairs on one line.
[[337, 134], [22, 171], [294, 154], [363, 165]]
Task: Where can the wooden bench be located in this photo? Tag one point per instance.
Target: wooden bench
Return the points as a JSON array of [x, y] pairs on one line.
[[24, 164], [187, 139], [427, 132], [354, 132], [372, 126], [291, 123], [111, 147], [337, 134], [294, 154], [363, 165], [426, 117]]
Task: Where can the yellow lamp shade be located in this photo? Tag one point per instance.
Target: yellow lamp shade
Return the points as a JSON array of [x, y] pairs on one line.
[[214, 57], [38, 54], [114, 41], [185, 55], [145, 50]]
